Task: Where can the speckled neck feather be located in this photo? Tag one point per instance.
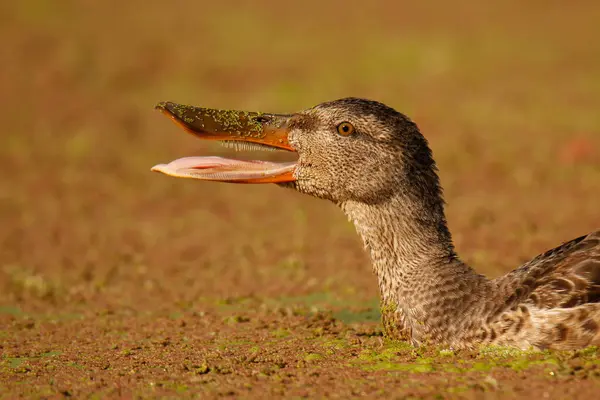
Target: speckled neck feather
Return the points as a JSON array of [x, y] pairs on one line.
[[425, 288]]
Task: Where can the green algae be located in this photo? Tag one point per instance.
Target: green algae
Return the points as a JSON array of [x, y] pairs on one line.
[[240, 123], [407, 367], [330, 345], [396, 356], [446, 353], [280, 333], [518, 360], [312, 357], [76, 365], [504, 352], [173, 385], [390, 319], [592, 351], [11, 310], [388, 353], [197, 369], [400, 357], [17, 363], [349, 316]]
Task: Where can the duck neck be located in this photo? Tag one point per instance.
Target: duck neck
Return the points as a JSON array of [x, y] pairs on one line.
[[403, 238], [413, 257]]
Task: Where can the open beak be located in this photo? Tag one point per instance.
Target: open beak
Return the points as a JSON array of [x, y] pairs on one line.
[[248, 129]]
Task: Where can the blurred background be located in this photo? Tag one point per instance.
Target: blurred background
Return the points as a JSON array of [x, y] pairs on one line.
[[508, 94]]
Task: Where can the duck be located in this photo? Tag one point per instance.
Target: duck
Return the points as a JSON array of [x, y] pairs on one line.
[[375, 164]]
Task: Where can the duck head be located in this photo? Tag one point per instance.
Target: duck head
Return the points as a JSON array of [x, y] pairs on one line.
[[348, 150]]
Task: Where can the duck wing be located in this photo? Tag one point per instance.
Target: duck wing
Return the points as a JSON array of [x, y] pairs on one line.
[[566, 276], [552, 301]]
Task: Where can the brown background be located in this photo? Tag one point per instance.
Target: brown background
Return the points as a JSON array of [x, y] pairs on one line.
[[118, 282]]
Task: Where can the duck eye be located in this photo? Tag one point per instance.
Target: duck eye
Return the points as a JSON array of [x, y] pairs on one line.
[[345, 129]]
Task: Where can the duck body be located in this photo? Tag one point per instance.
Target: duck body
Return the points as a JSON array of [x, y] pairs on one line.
[[375, 164], [553, 301]]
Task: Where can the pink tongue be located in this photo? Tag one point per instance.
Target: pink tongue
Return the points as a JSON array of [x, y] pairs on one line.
[[218, 168], [208, 162]]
